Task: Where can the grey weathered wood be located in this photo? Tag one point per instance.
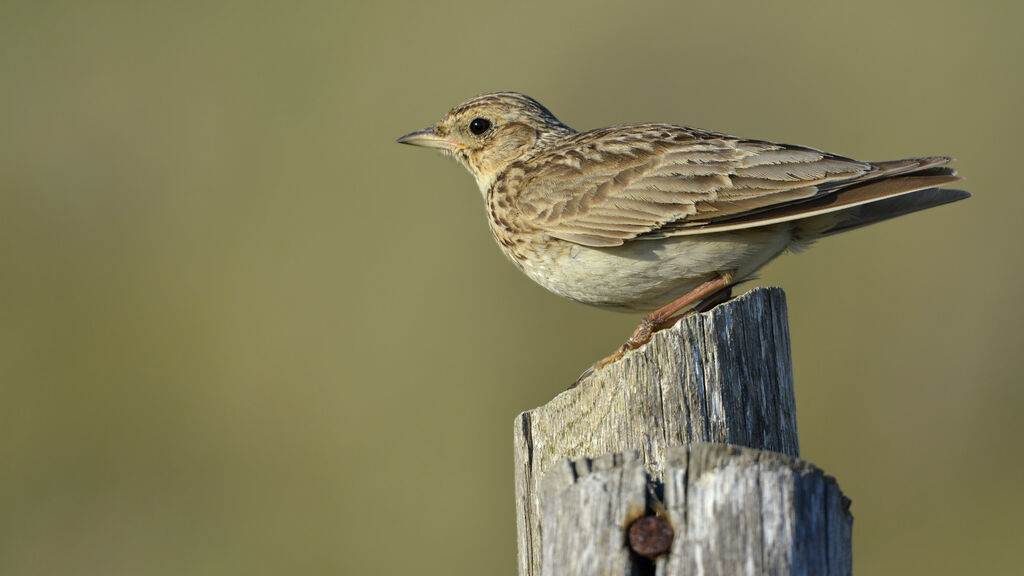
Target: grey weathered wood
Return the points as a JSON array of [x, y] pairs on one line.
[[744, 511], [723, 376], [734, 510], [586, 505]]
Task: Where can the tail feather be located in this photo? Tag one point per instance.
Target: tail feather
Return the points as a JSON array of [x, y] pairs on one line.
[[891, 207], [891, 189]]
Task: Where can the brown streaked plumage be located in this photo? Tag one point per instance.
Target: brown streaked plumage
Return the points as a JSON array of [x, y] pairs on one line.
[[657, 216]]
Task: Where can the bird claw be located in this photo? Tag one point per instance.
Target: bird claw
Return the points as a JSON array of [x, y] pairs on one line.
[[616, 356], [586, 373]]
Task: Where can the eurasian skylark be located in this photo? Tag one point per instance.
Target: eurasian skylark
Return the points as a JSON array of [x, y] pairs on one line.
[[657, 216]]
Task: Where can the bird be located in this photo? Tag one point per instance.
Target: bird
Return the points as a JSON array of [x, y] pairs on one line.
[[656, 217]]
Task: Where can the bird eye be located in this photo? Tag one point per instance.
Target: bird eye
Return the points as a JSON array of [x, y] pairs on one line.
[[479, 125]]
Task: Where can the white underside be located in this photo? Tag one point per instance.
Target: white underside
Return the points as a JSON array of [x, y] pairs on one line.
[[647, 274]]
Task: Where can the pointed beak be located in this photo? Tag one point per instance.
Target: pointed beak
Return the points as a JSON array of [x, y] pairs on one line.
[[427, 138]]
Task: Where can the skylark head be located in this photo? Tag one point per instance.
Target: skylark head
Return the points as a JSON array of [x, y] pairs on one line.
[[489, 132]]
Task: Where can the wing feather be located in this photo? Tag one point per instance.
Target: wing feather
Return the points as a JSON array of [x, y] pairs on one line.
[[605, 187]]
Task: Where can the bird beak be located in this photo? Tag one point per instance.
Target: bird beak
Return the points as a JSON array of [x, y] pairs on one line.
[[427, 138]]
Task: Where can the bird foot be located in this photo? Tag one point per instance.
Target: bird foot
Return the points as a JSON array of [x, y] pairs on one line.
[[703, 298], [642, 335]]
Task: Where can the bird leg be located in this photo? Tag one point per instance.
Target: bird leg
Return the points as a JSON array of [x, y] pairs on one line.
[[704, 305], [712, 292], [713, 300]]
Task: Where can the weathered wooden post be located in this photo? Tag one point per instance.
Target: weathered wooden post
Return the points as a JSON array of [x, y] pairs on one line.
[[696, 432]]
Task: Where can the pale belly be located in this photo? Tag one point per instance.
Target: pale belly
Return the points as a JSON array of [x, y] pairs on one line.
[[647, 274]]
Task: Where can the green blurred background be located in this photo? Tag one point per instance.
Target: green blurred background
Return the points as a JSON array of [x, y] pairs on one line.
[[244, 332]]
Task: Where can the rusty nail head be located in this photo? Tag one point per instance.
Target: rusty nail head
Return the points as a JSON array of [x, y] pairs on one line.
[[650, 536]]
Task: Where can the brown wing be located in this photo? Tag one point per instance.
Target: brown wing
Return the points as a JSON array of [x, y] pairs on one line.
[[653, 180]]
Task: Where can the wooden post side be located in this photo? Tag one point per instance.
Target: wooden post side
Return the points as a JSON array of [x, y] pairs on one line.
[[587, 504], [733, 511], [742, 511]]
